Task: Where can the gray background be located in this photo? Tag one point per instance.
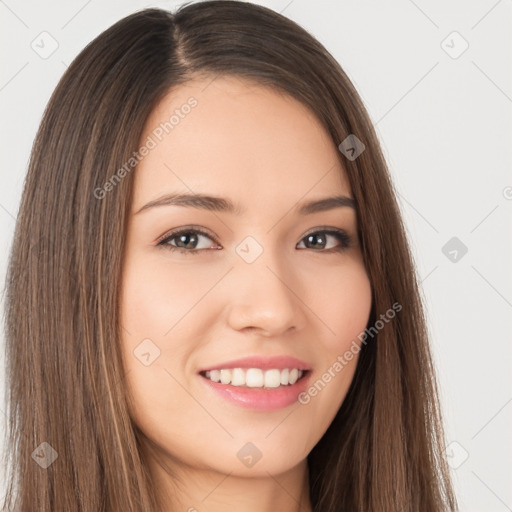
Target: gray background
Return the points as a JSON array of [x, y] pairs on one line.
[[443, 115]]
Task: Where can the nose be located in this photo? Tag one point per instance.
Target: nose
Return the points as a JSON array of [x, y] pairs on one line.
[[264, 297]]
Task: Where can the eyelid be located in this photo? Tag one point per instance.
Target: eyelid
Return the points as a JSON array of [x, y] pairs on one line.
[[329, 229], [195, 228]]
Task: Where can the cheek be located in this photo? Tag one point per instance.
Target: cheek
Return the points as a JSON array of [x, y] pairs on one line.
[[342, 299], [157, 293], [153, 300], [344, 308]]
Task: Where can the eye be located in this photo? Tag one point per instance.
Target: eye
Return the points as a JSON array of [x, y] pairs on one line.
[[186, 241], [319, 238]]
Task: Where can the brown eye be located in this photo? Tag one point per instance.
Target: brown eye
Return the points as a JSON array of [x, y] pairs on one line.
[[186, 241], [319, 239], [189, 241]]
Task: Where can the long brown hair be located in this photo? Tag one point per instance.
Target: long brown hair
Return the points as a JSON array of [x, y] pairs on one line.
[[383, 452]]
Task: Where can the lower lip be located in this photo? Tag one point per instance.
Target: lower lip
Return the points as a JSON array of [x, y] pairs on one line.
[[260, 399]]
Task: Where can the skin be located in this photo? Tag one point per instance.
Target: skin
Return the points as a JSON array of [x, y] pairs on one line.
[[269, 153]]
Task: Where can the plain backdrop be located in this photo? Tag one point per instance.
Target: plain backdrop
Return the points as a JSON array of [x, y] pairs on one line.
[[436, 79]]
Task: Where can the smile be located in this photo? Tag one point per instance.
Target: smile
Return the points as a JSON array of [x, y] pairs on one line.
[[249, 389], [255, 377]]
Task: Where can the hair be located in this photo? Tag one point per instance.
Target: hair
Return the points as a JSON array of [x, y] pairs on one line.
[[384, 451]]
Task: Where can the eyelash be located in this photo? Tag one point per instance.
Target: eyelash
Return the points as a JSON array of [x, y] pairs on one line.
[[341, 235]]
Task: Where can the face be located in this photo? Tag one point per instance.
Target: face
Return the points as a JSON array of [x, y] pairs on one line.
[[205, 285]]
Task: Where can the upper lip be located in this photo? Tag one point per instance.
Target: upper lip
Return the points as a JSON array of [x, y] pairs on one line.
[[265, 363]]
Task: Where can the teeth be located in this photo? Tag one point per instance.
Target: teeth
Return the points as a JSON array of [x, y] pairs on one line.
[[255, 377], [237, 377], [225, 376], [272, 378], [294, 375]]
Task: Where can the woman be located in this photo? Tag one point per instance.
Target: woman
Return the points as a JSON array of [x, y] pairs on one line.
[[211, 302]]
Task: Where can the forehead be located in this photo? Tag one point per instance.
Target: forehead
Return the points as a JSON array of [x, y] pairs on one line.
[[234, 138]]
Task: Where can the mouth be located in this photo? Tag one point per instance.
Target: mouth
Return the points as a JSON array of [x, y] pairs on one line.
[[257, 389], [272, 378]]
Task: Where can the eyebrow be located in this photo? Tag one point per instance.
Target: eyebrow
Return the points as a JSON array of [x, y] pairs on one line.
[[221, 204]]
